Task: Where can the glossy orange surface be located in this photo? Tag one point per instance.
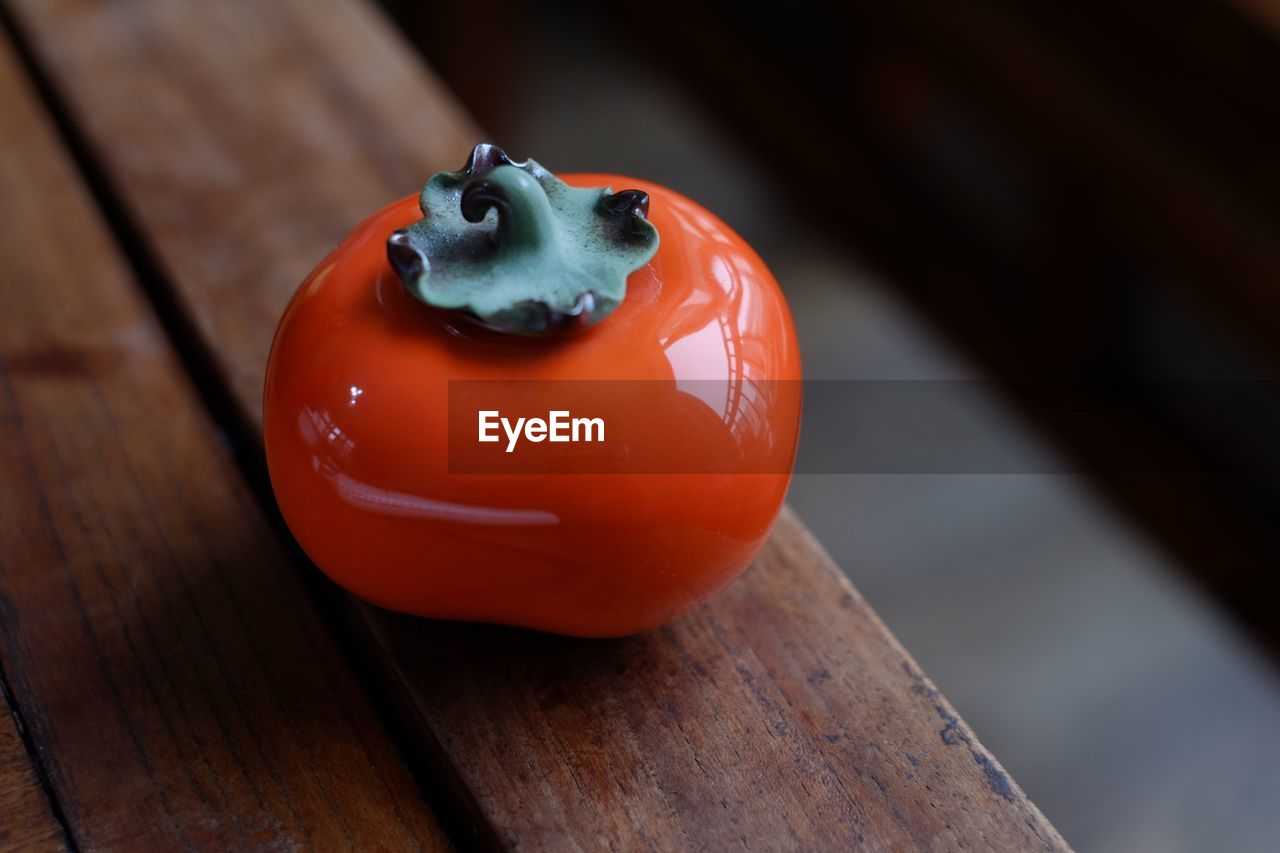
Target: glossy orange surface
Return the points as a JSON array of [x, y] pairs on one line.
[[356, 422]]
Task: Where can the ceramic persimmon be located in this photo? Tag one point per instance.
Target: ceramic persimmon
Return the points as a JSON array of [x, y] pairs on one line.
[[529, 287]]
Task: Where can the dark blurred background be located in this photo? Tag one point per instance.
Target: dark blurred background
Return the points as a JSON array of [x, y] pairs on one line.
[[1015, 193]]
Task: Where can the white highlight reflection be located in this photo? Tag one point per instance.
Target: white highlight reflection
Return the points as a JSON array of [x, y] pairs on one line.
[[412, 506]]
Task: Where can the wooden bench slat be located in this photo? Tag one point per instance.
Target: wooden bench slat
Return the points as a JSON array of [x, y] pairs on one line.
[[26, 820], [172, 669], [781, 714]]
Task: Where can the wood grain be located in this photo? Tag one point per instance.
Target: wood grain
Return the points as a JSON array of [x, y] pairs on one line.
[[26, 820], [782, 715], [173, 671]]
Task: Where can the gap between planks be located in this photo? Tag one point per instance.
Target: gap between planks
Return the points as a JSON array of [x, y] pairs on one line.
[[106, 375]]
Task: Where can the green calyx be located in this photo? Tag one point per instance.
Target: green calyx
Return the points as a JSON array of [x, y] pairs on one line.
[[517, 249]]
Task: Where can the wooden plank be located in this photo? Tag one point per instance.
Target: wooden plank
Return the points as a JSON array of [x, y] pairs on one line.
[[171, 667], [26, 820], [318, 136], [782, 714]]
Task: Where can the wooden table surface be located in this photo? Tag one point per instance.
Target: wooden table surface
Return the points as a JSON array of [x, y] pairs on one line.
[[177, 675]]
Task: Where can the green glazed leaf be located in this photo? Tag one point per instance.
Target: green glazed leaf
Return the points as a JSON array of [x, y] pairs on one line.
[[516, 248]]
